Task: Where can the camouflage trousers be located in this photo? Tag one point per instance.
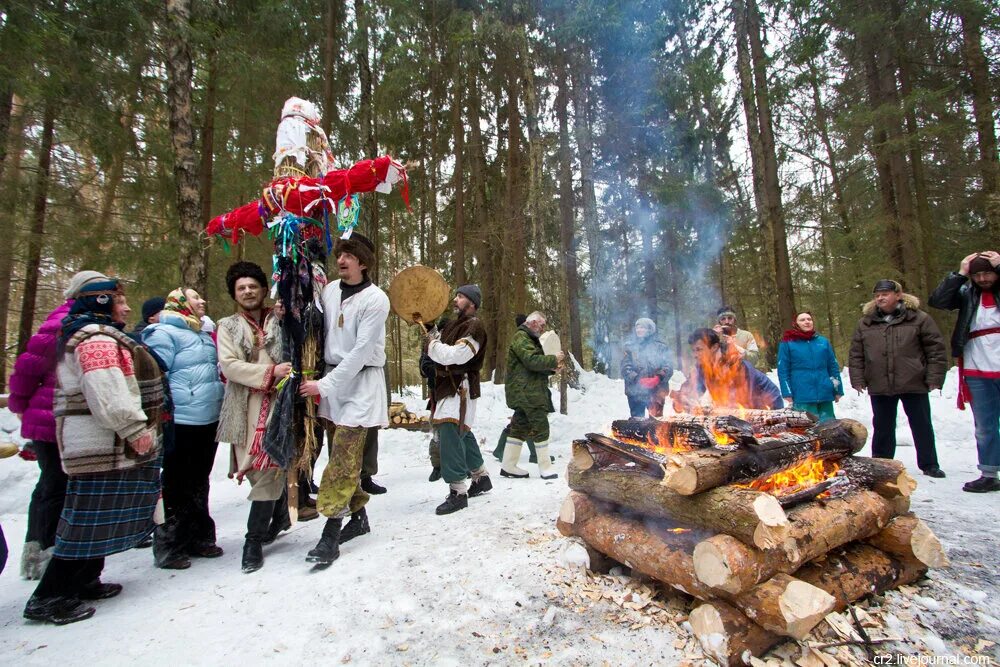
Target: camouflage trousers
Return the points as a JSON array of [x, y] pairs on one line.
[[340, 490], [532, 424]]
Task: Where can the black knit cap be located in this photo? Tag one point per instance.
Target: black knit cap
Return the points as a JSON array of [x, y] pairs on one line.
[[244, 270], [358, 245], [980, 264], [152, 306]]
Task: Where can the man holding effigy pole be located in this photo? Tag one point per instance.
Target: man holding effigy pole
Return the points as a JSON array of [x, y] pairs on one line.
[[353, 391]]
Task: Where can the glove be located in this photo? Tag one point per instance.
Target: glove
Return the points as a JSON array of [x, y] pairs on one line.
[[28, 454], [649, 383]]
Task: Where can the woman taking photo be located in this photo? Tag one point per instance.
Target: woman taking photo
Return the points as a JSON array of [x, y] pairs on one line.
[[189, 355], [107, 410], [807, 369]]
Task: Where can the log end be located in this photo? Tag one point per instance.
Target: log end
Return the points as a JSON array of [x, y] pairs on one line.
[[714, 565], [773, 527], [582, 457], [926, 546], [905, 484], [710, 630], [567, 513], [727, 636], [803, 606], [682, 480], [857, 431]]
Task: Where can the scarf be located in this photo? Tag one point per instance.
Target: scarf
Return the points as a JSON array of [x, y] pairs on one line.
[[797, 334], [178, 303], [347, 291], [93, 306], [897, 314]]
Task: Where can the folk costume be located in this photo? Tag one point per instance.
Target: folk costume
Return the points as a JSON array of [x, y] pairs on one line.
[[458, 356], [107, 411]]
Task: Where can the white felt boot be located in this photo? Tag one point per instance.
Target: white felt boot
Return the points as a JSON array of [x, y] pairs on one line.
[[545, 467], [511, 453]]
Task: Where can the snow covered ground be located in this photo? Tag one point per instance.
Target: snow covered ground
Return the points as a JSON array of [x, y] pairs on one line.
[[473, 588]]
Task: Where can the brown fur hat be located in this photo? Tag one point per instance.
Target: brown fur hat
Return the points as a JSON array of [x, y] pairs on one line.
[[359, 246]]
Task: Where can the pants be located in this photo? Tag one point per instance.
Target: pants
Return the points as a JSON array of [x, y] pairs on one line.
[[64, 577], [340, 490], [460, 453], [532, 424], [186, 470], [822, 410], [986, 412], [502, 444], [918, 412], [3, 550], [47, 498], [369, 460], [637, 405]]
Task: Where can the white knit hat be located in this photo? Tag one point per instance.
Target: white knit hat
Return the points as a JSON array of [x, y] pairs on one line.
[[81, 279]]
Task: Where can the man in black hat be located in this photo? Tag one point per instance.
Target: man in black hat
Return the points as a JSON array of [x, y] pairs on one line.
[[897, 354], [974, 291], [458, 354], [150, 315]]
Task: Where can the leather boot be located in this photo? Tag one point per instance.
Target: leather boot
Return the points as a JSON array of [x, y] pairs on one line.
[[357, 526], [327, 549], [57, 610], [511, 453], [257, 525], [280, 521]]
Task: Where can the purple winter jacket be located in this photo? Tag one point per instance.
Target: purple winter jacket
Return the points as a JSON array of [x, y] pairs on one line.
[[34, 380]]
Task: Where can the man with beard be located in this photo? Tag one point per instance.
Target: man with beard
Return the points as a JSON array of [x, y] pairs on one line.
[[974, 292], [249, 353], [353, 391], [458, 354]]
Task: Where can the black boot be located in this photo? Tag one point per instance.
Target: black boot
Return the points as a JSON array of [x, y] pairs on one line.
[[435, 474], [96, 590], [480, 486], [327, 549], [454, 502], [257, 525], [370, 486], [357, 526], [57, 610], [280, 521]]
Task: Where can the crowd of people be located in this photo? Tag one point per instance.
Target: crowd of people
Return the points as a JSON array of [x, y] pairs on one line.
[[119, 422]]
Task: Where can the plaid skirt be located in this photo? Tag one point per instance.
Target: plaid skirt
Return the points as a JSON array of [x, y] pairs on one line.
[[107, 513]]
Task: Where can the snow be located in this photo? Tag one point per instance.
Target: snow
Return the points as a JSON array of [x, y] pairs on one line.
[[468, 588]]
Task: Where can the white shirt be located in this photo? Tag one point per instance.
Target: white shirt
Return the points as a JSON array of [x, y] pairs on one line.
[[354, 393], [982, 355], [449, 410]]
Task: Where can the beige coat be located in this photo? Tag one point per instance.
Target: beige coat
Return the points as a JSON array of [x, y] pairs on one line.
[[248, 356]]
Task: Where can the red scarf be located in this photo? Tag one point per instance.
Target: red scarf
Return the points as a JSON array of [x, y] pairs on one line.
[[797, 334]]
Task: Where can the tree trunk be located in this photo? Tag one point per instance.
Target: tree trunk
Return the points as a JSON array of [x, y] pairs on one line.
[[366, 79], [886, 477], [10, 141], [911, 540], [208, 137], [457, 181], [36, 240], [981, 89], [333, 24], [193, 254], [856, 571], [724, 563], [567, 226], [600, 281], [726, 635], [775, 211]]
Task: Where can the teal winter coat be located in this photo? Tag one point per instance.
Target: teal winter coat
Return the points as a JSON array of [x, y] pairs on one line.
[[808, 370], [192, 364]]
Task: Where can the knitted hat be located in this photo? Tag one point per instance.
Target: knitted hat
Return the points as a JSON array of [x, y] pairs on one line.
[[82, 279], [358, 245], [725, 311], [886, 285], [648, 323], [979, 264], [152, 306], [472, 293]]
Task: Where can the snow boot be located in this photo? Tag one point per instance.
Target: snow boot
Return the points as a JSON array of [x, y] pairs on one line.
[[258, 522], [454, 502], [95, 590], [280, 521], [327, 549], [57, 610], [368, 485], [435, 474], [935, 472], [982, 485], [480, 486], [545, 463], [357, 526], [511, 453]]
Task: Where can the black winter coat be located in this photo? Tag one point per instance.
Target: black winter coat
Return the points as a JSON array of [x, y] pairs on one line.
[[957, 292]]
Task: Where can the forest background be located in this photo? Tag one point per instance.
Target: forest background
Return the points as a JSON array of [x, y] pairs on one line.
[[598, 160]]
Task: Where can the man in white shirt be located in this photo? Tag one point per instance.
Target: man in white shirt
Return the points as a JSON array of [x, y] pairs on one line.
[[353, 391]]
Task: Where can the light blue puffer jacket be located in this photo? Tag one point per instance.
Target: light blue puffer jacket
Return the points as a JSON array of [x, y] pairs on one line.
[[193, 364]]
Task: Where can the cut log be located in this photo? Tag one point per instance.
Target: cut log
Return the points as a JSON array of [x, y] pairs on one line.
[[909, 538], [744, 513], [762, 420], [886, 477], [694, 472], [783, 604], [727, 636], [629, 451], [859, 569], [725, 563]]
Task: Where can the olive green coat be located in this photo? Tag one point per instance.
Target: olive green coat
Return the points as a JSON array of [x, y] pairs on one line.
[[528, 371]]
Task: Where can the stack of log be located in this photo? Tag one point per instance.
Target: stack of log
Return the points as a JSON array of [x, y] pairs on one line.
[[400, 417], [765, 563]]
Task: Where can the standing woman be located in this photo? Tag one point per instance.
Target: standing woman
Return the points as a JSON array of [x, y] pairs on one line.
[[32, 387], [107, 410], [808, 371], [189, 355]]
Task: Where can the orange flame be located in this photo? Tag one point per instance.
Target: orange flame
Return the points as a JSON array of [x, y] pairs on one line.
[[679, 530], [796, 478], [662, 440]]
